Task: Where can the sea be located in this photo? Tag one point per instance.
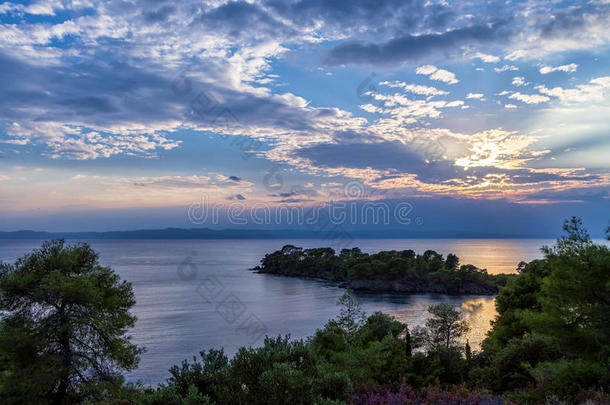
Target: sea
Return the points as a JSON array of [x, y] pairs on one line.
[[193, 295]]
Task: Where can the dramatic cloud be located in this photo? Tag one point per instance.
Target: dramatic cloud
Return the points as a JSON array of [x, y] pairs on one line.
[[160, 90]]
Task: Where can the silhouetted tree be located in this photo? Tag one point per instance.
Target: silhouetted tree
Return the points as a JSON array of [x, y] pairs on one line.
[[446, 326]]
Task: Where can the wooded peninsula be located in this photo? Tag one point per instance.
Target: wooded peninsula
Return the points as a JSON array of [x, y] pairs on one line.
[[387, 271]]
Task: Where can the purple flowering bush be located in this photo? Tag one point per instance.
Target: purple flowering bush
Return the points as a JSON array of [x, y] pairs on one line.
[[405, 394]]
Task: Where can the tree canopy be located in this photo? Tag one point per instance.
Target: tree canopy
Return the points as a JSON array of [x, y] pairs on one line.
[[63, 332], [392, 270]]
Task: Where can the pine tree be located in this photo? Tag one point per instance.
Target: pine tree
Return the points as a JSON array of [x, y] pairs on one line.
[[62, 334]]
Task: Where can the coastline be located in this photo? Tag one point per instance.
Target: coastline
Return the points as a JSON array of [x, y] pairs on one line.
[[410, 286]]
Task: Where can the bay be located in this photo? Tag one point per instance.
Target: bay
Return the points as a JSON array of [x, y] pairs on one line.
[[194, 295]]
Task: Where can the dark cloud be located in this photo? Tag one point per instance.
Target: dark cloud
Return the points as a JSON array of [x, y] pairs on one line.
[[242, 20], [563, 21], [296, 191], [90, 105], [380, 156], [105, 95], [362, 15], [412, 48], [234, 178], [159, 15]]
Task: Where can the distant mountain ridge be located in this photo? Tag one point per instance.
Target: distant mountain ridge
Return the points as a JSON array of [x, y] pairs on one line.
[[207, 233]]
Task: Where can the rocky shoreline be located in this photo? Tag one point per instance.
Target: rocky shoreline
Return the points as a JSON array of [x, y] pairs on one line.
[[404, 286]]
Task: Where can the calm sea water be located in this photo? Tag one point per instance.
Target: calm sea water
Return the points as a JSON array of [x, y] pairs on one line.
[[214, 301]]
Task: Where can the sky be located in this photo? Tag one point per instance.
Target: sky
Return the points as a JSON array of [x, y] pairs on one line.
[[439, 115]]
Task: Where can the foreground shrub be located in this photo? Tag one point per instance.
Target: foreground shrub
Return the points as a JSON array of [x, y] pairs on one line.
[[405, 394]]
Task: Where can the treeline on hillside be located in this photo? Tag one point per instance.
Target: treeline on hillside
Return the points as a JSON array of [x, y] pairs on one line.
[[65, 318], [399, 271]]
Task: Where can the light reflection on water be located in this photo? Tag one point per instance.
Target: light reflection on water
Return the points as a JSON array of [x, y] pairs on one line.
[[175, 322], [478, 310]]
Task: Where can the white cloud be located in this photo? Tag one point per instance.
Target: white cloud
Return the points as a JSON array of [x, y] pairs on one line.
[[486, 57], [519, 81], [510, 106], [594, 91], [73, 142], [529, 98], [570, 68], [43, 7], [426, 70], [402, 109], [437, 74], [516, 55], [475, 95], [455, 103], [444, 76], [505, 68], [416, 88]]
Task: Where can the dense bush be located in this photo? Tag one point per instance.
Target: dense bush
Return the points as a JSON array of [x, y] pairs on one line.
[[281, 371], [407, 395], [552, 333]]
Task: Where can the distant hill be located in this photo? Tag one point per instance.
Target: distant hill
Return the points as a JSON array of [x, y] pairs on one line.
[[206, 233]]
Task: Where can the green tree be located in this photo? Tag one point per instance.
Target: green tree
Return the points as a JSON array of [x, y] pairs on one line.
[[408, 345], [63, 331], [351, 317], [468, 352], [378, 326], [574, 312], [445, 327], [452, 262], [575, 240], [552, 331]]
